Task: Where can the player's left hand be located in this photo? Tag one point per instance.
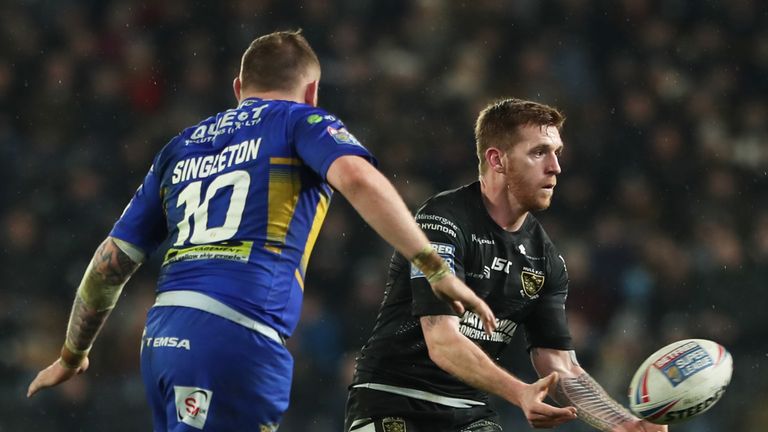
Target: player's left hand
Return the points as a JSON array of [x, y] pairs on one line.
[[640, 426], [53, 375], [455, 292]]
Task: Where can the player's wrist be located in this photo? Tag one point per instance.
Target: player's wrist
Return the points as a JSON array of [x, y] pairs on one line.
[[70, 357], [431, 264]]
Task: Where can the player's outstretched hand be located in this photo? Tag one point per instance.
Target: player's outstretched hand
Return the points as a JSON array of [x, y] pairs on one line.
[[53, 375], [640, 426], [540, 414], [460, 296]]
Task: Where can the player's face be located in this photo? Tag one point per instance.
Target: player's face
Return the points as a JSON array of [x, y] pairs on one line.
[[532, 165]]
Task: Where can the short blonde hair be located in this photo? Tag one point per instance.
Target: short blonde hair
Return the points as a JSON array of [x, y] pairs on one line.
[[277, 61]]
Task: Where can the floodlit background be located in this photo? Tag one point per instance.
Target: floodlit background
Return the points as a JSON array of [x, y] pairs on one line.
[[661, 211]]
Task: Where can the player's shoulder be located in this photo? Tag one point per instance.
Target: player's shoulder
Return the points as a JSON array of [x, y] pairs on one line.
[[458, 200], [310, 114], [455, 206]]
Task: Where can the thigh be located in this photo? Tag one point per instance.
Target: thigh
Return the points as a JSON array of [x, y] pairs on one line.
[[201, 370]]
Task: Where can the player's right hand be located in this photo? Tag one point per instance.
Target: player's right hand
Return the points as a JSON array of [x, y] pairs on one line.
[[53, 375], [460, 296], [540, 414]]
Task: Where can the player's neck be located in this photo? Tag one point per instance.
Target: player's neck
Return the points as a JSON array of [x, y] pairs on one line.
[[272, 95], [500, 204]]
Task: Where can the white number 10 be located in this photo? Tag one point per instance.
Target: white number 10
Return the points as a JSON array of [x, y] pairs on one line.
[[190, 199]]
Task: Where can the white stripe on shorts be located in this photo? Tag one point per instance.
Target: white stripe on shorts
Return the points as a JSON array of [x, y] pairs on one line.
[[422, 395], [196, 300]]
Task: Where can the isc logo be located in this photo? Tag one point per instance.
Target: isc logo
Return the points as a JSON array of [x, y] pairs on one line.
[[500, 264]]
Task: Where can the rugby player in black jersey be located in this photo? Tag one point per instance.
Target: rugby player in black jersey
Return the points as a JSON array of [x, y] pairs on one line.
[[426, 369]]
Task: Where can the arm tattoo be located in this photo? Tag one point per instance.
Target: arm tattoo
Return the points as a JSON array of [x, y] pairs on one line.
[[111, 264], [84, 324], [102, 283], [595, 406]]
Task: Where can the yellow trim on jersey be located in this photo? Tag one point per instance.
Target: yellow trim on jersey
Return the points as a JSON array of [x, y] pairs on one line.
[[285, 161], [284, 188], [317, 223], [299, 279]]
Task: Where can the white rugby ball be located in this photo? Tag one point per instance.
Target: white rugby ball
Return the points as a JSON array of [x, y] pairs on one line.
[[680, 381]]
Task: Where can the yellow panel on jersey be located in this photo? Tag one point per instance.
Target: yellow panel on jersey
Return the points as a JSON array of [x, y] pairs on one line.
[[317, 223], [284, 188], [299, 279]]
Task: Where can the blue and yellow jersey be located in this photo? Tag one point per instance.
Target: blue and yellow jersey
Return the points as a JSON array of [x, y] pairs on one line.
[[241, 198]]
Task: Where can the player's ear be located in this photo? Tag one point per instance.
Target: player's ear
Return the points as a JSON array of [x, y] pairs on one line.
[[495, 160], [237, 86], [310, 93]]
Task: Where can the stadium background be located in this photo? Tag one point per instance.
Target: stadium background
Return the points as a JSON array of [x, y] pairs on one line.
[[661, 210]]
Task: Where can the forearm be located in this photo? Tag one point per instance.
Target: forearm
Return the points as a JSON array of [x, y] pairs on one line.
[[577, 388], [594, 405], [460, 357], [96, 296]]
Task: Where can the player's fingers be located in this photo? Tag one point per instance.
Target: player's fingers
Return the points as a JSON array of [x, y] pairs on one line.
[[548, 382], [33, 388], [485, 313], [40, 382], [552, 412]]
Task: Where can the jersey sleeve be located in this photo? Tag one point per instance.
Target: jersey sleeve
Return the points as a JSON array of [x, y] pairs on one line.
[[143, 220], [546, 326], [320, 138], [445, 236]]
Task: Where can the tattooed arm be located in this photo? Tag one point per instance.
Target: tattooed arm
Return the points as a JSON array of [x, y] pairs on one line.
[[459, 356], [112, 265], [577, 388]]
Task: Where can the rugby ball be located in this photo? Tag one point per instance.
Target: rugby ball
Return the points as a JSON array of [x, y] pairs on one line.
[[680, 381]]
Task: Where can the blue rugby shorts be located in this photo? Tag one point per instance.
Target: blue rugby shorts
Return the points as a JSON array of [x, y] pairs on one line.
[[204, 372]]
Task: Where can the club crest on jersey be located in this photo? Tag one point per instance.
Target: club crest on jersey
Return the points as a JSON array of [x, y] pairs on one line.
[[532, 283], [393, 424], [342, 136]]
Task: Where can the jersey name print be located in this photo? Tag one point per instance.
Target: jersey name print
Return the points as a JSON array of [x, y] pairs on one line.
[[241, 196]]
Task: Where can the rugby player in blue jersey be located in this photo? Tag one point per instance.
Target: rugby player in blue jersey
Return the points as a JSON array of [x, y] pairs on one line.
[[240, 197]]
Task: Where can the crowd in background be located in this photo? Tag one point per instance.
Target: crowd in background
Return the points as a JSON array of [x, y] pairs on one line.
[[661, 211]]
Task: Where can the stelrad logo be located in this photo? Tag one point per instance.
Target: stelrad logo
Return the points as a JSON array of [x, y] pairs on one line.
[[192, 405]]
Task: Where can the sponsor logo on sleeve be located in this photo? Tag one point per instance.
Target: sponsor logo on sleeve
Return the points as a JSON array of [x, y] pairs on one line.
[[192, 404], [430, 222], [446, 251], [343, 136], [314, 119]]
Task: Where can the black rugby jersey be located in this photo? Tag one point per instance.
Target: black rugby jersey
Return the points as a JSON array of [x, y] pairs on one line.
[[520, 275]]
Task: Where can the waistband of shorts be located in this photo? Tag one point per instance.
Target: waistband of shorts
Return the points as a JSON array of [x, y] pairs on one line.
[[422, 395], [200, 301]]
